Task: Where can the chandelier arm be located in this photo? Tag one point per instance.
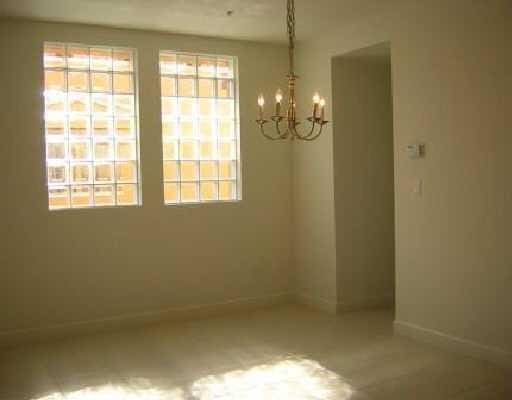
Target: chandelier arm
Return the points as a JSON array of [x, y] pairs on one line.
[[278, 130], [311, 131], [309, 137], [262, 130], [313, 125]]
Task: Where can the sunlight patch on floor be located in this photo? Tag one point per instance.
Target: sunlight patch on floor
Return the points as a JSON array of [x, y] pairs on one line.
[[288, 379], [118, 392], [296, 378]]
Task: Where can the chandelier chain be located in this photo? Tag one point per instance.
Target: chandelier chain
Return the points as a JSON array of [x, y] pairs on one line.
[[290, 22]]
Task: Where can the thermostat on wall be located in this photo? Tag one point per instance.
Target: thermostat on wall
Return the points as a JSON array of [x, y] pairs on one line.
[[415, 151]]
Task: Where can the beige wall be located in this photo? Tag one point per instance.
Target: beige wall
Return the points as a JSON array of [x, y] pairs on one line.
[[314, 234], [363, 178], [80, 265], [453, 260]]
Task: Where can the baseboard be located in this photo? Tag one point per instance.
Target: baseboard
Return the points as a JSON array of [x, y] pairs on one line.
[[317, 303], [373, 303], [19, 337], [463, 346]]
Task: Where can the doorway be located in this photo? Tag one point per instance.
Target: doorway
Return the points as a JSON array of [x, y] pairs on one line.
[[364, 178]]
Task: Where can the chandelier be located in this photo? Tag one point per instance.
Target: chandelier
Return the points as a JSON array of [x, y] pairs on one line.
[[317, 118]]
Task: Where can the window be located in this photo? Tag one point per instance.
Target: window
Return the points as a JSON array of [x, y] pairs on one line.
[[199, 128], [91, 126]]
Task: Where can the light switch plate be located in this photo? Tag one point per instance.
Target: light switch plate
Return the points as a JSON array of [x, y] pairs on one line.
[[415, 151]]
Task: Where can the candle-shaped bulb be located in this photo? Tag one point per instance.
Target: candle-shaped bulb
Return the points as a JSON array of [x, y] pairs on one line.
[[279, 96], [322, 109], [316, 100], [261, 102]]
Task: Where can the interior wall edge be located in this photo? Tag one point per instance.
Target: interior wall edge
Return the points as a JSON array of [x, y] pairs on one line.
[[195, 311], [455, 344]]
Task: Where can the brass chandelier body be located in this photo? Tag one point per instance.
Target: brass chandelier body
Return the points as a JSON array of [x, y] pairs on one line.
[[317, 119]]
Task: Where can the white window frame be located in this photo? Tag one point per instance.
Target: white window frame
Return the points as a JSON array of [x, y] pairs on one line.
[[66, 137], [236, 135]]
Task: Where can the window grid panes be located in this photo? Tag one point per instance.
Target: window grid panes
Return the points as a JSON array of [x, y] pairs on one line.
[[91, 129], [200, 137]]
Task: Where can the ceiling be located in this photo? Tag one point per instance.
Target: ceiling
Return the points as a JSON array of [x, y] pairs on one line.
[[377, 52], [262, 20]]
